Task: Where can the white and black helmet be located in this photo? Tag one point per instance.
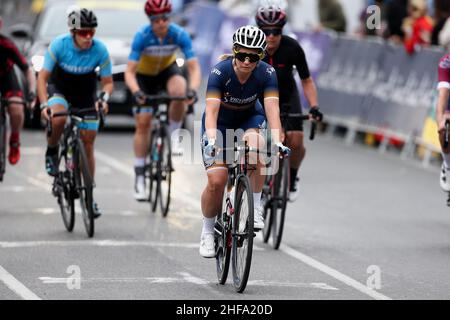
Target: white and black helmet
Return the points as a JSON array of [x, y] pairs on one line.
[[250, 37]]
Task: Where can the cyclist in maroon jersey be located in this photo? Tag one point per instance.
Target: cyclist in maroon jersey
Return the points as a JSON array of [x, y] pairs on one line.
[[10, 90], [443, 114], [283, 53]]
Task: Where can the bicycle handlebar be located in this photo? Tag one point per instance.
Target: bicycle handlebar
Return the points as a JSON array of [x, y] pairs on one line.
[[73, 113], [302, 117]]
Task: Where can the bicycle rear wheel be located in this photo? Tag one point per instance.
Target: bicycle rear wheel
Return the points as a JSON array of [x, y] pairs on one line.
[[242, 244], [278, 209], [266, 199], [164, 176], [63, 187], [2, 143], [222, 241], [85, 188]]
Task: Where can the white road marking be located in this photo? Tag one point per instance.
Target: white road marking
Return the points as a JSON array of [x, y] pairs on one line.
[[102, 243], [187, 278], [333, 273], [33, 181], [16, 286]]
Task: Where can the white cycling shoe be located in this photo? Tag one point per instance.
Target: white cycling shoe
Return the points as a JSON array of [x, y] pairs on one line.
[[259, 219], [207, 249], [140, 192], [445, 179]]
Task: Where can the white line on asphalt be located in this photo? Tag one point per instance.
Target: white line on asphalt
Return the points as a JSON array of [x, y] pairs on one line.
[[284, 248], [187, 278], [16, 286], [35, 182], [333, 273], [102, 243]]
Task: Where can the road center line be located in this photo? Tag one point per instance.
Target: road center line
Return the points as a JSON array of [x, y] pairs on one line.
[[284, 248], [16, 286]]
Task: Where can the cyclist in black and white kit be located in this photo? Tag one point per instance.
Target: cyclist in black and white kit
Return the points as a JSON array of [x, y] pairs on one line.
[[283, 53]]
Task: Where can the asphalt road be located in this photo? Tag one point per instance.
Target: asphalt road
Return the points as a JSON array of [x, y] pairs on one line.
[[366, 226]]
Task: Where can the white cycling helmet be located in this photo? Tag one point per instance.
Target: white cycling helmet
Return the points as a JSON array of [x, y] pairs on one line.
[[250, 37]]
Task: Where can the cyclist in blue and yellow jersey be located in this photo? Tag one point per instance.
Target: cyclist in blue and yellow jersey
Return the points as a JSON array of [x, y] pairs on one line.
[[152, 68], [232, 103], [284, 53], [69, 69], [10, 90]]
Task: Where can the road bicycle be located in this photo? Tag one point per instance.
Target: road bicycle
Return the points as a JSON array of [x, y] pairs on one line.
[[276, 187], [158, 171], [233, 230], [73, 179]]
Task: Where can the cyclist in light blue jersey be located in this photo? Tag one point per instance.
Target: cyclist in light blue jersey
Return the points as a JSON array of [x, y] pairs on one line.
[[70, 65]]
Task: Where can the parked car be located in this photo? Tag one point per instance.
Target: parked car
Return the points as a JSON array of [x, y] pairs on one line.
[[118, 22]]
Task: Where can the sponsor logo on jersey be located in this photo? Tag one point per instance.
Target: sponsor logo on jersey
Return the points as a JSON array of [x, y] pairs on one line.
[[445, 63]]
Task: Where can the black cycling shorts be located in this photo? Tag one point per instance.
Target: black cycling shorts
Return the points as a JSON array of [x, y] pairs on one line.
[[9, 86], [155, 84], [293, 105]]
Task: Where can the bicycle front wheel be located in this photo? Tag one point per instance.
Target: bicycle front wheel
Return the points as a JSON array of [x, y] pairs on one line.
[[278, 209], [242, 232], [164, 176], [85, 188], [151, 172], [222, 241], [63, 186]]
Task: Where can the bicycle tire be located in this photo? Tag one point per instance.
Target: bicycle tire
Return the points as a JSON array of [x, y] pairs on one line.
[[65, 195], [151, 172], [2, 142], [242, 233], [85, 188], [164, 177], [279, 205], [222, 242], [267, 201]]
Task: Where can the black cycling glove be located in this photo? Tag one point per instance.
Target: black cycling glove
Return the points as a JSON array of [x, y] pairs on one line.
[[316, 114]]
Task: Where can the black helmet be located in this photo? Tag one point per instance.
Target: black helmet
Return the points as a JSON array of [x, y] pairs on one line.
[[81, 18]]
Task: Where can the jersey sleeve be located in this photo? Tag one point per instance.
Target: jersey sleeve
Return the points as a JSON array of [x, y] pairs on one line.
[[270, 83], [51, 55], [214, 87], [444, 73], [300, 62], [136, 47], [15, 55], [185, 44], [105, 63]]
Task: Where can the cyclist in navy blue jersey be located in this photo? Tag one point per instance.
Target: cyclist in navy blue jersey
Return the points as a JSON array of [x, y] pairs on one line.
[[69, 69], [232, 103], [10, 90], [284, 53]]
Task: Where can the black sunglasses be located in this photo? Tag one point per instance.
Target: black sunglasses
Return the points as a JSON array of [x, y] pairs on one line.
[[252, 57], [164, 17], [274, 32]]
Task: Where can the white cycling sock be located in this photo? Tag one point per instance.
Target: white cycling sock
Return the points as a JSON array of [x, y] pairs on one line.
[[446, 159], [208, 225], [140, 179], [174, 125], [139, 162], [256, 199]]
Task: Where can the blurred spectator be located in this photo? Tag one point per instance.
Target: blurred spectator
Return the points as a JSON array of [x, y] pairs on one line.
[[444, 35], [396, 12], [331, 16], [441, 15], [417, 27]]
